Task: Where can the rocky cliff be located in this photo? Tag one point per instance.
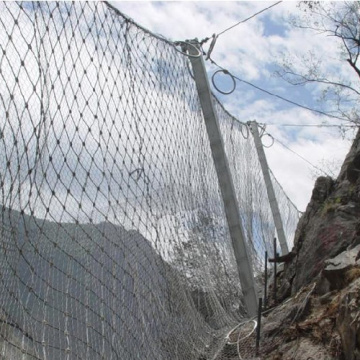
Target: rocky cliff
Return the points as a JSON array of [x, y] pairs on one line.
[[316, 314], [329, 226]]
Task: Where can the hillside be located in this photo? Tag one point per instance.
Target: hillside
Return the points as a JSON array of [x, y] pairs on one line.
[[93, 290], [54, 284]]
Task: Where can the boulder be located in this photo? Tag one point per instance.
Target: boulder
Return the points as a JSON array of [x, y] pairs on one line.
[[336, 268]]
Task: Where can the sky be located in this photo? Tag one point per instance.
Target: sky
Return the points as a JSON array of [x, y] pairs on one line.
[[253, 51]]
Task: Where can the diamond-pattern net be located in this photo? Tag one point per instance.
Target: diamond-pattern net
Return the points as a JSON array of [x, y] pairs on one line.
[[113, 238], [254, 206], [290, 215]]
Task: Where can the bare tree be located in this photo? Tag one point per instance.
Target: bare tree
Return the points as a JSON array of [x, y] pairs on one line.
[[340, 95]]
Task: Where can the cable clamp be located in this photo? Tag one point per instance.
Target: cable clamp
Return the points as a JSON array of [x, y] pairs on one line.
[[211, 48]]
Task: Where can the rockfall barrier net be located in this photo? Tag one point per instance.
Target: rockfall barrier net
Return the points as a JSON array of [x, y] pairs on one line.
[[113, 238], [250, 187], [290, 215]]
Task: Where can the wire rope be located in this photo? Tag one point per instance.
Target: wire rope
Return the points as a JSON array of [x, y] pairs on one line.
[[301, 157], [249, 18]]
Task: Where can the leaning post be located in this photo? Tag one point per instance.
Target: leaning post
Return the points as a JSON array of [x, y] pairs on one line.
[[266, 276], [226, 185], [269, 188]]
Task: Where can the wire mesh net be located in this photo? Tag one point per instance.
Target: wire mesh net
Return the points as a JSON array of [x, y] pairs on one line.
[[290, 215], [111, 218], [114, 242], [250, 187]]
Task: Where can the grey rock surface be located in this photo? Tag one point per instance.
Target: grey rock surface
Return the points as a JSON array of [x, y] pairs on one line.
[[348, 322], [343, 261], [329, 226]]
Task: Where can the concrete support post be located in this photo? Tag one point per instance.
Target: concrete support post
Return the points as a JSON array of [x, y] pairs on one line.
[[269, 188], [243, 260]]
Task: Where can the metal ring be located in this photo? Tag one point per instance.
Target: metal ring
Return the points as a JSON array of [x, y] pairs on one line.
[[273, 140], [239, 326], [251, 332], [182, 43], [226, 73], [247, 131]]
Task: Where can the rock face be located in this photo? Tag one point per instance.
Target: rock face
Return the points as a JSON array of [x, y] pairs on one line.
[[307, 326], [321, 318], [336, 268], [330, 224], [310, 326], [348, 322], [319, 279]]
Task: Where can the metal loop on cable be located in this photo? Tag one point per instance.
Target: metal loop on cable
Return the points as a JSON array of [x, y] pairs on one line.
[[269, 146], [247, 131], [244, 337], [226, 73], [250, 333], [184, 45]]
